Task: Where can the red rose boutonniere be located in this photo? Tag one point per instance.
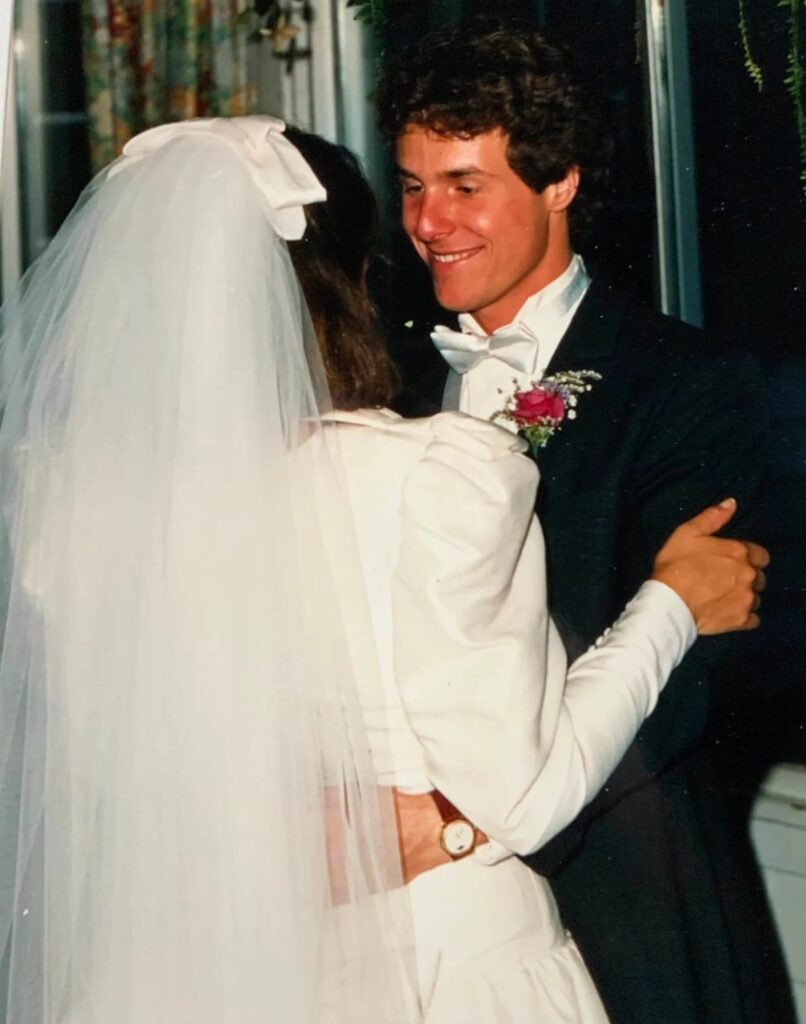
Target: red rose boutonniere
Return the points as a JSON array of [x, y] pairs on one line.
[[540, 411]]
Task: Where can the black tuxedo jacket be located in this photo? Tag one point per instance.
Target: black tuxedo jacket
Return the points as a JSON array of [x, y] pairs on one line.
[[676, 423]]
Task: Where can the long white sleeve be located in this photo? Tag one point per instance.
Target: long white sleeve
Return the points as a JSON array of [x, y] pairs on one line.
[[511, 737]]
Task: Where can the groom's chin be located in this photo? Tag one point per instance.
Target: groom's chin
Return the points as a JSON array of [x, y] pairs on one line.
[[451, 298]]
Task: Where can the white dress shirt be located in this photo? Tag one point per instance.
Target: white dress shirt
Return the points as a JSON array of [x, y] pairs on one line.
[[546, 315]]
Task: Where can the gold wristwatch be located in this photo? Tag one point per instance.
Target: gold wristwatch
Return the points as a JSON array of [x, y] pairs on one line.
[[458, 837]]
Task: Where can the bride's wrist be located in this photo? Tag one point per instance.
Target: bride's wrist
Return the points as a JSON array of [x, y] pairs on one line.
[[420, 826]]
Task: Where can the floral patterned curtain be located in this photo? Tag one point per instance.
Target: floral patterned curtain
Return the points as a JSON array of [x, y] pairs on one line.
[[151, 61]]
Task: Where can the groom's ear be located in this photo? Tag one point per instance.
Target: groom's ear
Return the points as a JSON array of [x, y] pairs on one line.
[[564, 191]]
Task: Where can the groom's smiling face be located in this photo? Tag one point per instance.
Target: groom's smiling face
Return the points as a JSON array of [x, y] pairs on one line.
[[488, 240]]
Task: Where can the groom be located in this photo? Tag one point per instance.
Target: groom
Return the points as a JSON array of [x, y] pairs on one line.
[[497, 150]]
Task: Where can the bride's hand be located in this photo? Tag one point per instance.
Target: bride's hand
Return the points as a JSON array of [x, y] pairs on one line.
[[719, 579]]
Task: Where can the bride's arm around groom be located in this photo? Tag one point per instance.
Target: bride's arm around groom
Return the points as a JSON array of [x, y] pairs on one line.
[[516, 739]]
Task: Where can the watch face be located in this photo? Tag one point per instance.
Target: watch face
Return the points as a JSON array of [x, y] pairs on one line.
[[458, 837]]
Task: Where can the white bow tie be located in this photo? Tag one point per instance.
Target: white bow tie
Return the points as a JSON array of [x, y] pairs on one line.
[[516, 346]]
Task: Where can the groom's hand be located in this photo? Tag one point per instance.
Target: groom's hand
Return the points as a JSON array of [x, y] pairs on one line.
[[720, 580]]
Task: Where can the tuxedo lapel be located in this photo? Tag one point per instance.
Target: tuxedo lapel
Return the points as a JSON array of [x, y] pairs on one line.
[[588, 344], [591, 336]]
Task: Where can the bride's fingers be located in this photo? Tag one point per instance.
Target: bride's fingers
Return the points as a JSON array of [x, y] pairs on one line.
[[760, 581]]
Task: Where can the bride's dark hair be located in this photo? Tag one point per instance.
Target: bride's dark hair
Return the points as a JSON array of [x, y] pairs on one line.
[[331, 263]]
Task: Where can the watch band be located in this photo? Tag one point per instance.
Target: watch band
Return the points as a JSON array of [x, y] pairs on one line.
[[447, 810], [458, 836]]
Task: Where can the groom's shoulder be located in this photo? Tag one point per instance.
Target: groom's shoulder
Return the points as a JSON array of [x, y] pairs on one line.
[[651, 342]]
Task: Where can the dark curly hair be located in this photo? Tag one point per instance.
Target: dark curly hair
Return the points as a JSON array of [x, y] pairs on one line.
[[331, 263], [485, 74]]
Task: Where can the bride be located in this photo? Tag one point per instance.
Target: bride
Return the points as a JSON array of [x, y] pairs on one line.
[[248, 637]]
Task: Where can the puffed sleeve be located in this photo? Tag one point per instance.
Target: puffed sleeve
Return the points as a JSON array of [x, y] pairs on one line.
[[511, 737]]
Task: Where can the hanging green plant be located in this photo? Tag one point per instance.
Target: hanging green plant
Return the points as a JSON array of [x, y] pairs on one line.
[[750, 63], [795, 75], [795, 78], [371, 12]]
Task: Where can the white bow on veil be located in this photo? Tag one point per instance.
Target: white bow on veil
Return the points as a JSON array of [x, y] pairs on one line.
[[277, 168]]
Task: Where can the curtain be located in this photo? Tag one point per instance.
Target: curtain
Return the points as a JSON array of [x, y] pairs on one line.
[[151, 61]]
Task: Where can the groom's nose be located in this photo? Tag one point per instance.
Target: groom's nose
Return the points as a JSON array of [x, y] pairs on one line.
[[432, 218]]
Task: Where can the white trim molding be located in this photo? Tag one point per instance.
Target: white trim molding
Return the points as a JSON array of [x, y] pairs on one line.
[[673, 152]]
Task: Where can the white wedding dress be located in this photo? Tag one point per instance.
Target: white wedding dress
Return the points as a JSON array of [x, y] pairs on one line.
[[478, 704]]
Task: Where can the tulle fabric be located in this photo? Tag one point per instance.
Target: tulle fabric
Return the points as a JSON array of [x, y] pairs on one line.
[[192, 829]]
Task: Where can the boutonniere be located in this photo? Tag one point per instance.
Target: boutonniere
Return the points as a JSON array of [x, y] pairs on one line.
[[539, 411]]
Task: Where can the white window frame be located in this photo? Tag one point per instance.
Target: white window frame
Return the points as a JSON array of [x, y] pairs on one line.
[[678, 252], [328, 93]]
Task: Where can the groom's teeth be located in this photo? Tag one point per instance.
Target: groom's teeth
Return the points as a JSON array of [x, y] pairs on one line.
[[450, 257]]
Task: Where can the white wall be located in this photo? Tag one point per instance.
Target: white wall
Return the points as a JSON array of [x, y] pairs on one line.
[[779, 833]]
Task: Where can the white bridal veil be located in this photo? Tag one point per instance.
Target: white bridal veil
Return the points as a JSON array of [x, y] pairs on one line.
[[197, 837]]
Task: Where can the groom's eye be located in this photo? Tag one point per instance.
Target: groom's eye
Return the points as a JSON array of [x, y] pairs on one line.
[[410, 188]]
